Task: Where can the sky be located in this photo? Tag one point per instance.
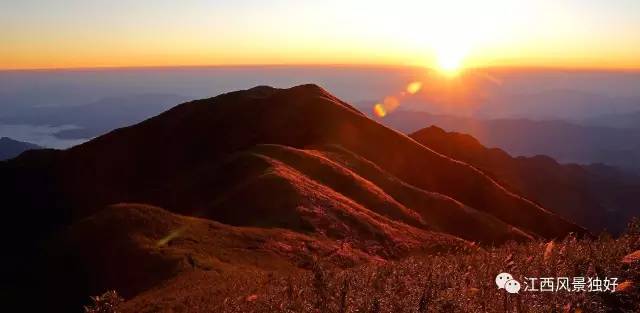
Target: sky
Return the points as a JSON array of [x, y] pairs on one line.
[[446, 34]]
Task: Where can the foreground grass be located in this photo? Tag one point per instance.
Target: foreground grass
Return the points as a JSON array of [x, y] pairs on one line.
[[452, 282]]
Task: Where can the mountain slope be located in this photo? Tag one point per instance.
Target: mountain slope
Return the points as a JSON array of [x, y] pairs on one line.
[[10, 148], [206, 131], [286, 161], [596, 196], [334, 178], [563, 141], [153, 246]]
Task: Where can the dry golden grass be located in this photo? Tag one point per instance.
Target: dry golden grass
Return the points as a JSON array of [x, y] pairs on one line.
[[632, 257], [449, 282]]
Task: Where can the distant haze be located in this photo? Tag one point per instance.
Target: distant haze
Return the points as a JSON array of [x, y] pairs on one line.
[[95, 101]]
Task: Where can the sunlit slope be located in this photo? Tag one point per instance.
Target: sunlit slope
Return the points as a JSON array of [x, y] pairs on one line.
[[299, 165], [142, 163]]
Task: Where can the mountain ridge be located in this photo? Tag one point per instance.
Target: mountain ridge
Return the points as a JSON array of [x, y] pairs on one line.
[[10, 148], [593, 195], [279, 110], [297, 160], [564, 141]]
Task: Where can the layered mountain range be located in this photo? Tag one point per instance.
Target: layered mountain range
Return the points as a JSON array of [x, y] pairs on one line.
[[10, 148], [256, 179], [597, 196], [564, 141]]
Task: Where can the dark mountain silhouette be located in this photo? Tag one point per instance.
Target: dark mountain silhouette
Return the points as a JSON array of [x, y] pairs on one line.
[[10, 148], [563, 141], [597, 196], [294, 170]]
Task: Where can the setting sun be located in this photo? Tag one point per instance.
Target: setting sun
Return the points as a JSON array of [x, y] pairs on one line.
[[450, 59], [449, 64], [498, 33]]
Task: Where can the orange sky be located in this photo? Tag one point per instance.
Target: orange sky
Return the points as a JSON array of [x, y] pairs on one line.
[[44, 34]]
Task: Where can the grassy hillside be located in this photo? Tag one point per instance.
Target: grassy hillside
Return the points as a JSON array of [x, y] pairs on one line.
[[449, 282]]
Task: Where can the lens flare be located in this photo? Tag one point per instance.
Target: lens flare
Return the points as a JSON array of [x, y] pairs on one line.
[[390, 103], [414, 87], [379, 110], [172, 235]]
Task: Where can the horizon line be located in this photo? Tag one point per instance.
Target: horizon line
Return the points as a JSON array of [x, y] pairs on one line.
[[346, 65]]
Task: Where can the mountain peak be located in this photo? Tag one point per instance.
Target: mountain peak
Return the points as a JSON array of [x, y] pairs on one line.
[[289, 172], [132, 164], [10, 148]]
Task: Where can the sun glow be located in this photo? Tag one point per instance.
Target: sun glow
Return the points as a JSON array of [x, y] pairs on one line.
[[449, 64], [450, 58], [498, 33]]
